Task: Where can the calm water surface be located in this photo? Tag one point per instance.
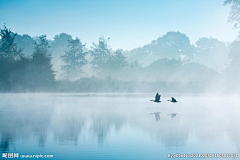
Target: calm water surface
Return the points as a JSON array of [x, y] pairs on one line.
[[118, 126]]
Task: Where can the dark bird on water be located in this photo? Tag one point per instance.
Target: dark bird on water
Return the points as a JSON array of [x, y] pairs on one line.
[[174, 100], [173, 115], [157, 115], [157, 98]]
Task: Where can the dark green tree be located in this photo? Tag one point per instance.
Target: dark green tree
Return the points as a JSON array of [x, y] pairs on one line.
[[9, 55], [74, 59], [8, 47], [26, 42], [43, 75]]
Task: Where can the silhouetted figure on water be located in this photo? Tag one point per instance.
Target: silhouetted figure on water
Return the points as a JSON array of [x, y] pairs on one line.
[[173, 100], [173, 115], [157, 98], [157, 115]]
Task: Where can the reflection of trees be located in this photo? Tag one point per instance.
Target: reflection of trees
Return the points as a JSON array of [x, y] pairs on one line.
[[157, 115], [207, 125], [171, 132], [20, 121], [6, 140], [102, 125], [67, 128]]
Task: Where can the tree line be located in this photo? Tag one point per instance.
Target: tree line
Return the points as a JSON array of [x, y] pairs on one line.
[[171, 63], [35, 72], [18, 72]]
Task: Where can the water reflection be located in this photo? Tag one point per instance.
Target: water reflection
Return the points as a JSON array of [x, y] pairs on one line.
[[21, 120], [102, 124], [6, 139], [173, 115], [67, 127], [157, 115], [76, 121]]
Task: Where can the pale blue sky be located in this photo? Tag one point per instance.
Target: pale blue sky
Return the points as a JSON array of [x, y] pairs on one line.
[[129, 23]]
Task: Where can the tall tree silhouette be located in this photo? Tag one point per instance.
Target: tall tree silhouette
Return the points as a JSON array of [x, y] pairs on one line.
[[43, 75], [8, 48], [9, 54], [74, 59], [101, 53], [59, 46]]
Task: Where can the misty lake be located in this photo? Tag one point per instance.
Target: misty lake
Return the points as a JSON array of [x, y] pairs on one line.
[[118, 126]]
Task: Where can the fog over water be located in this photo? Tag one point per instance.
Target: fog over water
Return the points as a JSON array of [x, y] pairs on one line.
[[118, 126]]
